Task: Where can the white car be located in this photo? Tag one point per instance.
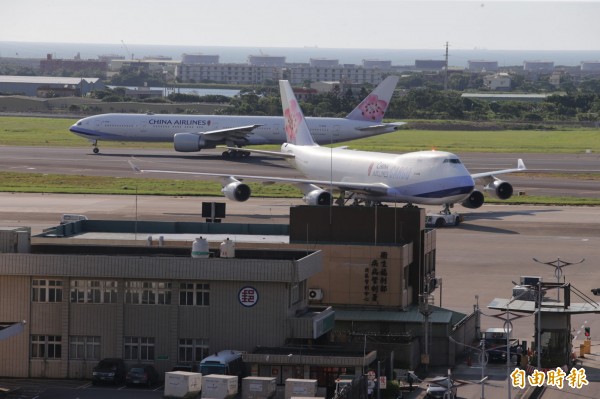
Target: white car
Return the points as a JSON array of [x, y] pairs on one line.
[[438, 388]]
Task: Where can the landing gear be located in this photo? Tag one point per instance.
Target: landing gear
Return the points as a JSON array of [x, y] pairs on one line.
[[235, 154], [95, 150]]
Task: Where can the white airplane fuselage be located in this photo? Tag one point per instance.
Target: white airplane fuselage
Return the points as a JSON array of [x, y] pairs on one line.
[[423, 177], [162, 128]]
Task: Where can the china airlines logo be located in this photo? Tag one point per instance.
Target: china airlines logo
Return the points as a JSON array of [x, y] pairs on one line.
[[292, 117], [372, 108], [370, 169]]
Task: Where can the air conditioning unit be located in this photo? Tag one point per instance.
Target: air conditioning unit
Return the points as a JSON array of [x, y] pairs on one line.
[[315, 294]]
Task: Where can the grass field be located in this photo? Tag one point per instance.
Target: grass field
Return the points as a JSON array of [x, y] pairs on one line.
[[32, 131], [23, 131]]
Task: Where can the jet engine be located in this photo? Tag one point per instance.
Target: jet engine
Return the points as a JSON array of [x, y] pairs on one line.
[[237, 191], [318, 197], [499, 189], [474, 200], [189, 142]]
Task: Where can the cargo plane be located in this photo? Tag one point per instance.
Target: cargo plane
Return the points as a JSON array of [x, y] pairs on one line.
[[370, 178], [192, 133]]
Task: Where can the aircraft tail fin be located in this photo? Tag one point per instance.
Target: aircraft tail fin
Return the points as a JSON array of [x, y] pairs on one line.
[[296, 129], [373, 107]]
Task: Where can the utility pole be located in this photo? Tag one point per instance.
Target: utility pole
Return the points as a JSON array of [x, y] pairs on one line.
[[446, 69]]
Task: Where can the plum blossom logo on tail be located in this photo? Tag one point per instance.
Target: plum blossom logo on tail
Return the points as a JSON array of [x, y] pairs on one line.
[[292, 116], [372, 108]]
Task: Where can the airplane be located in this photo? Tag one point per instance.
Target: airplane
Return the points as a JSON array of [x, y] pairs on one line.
[[192, 133], [369, 178]]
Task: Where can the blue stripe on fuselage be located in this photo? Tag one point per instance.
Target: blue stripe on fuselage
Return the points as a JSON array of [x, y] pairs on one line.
[[439, 188]]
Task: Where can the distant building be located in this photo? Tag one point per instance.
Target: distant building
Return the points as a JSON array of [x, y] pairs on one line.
[[498, 81], [430, 64], [353, 75], [324, 62], [326, 87], [555, 79], [482, 66], [48, 86], [50, 66], [205, 59], [377, 64], [538, 66], [590, 67], [266, 60], [228, 73], [143, 92]]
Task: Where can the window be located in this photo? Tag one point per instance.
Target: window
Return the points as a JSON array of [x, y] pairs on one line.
[[297, 292], [93, 291], [139, 348], [452, 160], [192, 350], [46, 290], [148, 292], [83, 347], [46, 346], [194, 294]]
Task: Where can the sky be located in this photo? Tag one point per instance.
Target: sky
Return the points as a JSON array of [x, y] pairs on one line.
[[385, 24]]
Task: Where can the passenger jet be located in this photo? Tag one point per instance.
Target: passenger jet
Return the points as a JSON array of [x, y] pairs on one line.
[[423, 177], [192, 133]]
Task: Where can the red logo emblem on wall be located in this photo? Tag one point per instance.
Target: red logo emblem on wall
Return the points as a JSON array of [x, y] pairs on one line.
[[248, 296]]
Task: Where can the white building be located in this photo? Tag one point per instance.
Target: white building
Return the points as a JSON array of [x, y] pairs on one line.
[[499, 81]]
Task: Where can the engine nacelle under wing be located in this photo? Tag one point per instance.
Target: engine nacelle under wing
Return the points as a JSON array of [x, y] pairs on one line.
[[318, 197], [474, 200], [236, 191], [189, 142], [499, 189]]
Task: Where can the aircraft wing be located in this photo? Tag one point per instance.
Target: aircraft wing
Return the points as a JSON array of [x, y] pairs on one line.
[[370, 188], [239, 132], [263, 152], [380, 126], [490, 175]]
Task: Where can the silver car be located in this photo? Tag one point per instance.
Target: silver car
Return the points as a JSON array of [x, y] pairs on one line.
[[442, 388]]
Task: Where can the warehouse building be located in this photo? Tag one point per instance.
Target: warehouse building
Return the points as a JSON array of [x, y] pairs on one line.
[[48, 86]]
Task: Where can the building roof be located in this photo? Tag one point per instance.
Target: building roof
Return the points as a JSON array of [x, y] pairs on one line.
[[410, 315], [45, 80], [547, 306]]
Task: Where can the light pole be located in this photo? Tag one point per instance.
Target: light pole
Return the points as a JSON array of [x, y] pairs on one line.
[[508, 330]]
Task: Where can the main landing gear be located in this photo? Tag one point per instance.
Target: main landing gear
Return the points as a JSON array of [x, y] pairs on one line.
[[235, 154]]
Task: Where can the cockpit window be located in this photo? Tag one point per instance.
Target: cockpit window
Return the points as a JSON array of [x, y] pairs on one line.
[[452, 160]]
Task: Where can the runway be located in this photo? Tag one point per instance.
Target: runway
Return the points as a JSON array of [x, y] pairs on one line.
[[575, 175]]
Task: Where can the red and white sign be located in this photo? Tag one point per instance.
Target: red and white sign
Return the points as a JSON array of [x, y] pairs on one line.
[[248, 296]]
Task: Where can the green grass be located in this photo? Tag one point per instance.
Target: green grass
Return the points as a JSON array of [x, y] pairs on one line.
[[78, 184], [27, 131]]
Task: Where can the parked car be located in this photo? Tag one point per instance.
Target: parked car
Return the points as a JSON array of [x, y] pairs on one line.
[[438, 387], [191, 368], [142, 374], [111, 370]]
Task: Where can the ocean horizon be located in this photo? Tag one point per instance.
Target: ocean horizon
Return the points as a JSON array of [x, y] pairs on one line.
[[231, 54]]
